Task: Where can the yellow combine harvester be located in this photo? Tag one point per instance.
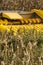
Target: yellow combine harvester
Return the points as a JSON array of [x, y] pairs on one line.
[[33, 17]]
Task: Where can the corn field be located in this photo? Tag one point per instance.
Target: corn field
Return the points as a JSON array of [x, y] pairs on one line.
[[22, 5], [21, 45]]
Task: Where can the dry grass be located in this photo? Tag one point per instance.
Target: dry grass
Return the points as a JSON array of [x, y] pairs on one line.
[[21, 49]]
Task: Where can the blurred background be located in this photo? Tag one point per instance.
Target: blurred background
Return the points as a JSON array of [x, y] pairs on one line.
[[23, 5]]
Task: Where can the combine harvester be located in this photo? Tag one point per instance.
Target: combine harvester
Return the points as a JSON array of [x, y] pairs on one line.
[[10, 19]]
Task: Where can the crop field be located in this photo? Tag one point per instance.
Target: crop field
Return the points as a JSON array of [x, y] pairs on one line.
[[21, 44]]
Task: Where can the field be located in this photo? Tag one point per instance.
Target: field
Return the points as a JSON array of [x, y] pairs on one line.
[[21, 5], [21, 44]]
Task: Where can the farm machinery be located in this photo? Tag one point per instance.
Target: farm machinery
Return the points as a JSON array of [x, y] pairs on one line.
[[23, 18]]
